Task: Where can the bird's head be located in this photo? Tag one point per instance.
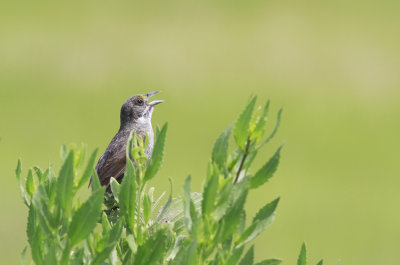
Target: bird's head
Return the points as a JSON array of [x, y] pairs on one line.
[[138, 107]]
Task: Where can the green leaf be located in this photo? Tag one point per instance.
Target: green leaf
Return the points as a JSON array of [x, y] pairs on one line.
[[186, 201], [241, 129], [50, 258], [249, 160], [216, 260], [177, 246], [18, 170], [131, 242], [269, 262], [127, 195], [157, 131], [89, 170], [266, 212], [63, 152], [129, 144], [263, 218], [210, 193], [163, 216], [105, 223], [235, 256], [260, 125], [248, 259], [113, 258], [164, 210], [302, 260], [85, 218], [32, 224], [220, 150], [157, 155], [77, 258], [51, 189], [224, 199], [115, 188], [95, 181], [113, 237], [30, 184], [150, 193], [194, 219], [146, 140], [266, 171], [21, 187], [34, 234], [65, 184], [40, 201], [233, 216], [187, 255], [40, 174], [242, 223], [22, 257], [278, 121], [154, 249], [128, 258], [320, 262], [146, 208]]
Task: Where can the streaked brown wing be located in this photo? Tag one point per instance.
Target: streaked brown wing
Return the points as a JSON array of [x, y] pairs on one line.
[[111, 164]]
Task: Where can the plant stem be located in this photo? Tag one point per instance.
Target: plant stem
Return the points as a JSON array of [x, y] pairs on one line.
[[65, 254], [138, 232], [246, 153]]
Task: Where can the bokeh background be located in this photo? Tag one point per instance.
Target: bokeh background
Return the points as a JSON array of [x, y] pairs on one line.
[[67, 67]]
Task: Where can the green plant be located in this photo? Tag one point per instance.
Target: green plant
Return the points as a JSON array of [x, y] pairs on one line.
[[130, 227]]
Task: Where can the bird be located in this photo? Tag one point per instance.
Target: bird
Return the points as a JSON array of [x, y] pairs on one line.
[[135, 116]]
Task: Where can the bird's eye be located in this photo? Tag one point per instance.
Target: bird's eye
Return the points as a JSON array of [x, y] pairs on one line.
[[139, 101]]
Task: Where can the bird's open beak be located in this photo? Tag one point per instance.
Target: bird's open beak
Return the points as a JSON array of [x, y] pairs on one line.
[[148, 95], [155, 102]]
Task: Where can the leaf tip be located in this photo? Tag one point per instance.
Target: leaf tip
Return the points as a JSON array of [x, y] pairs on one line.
[[18, 169]]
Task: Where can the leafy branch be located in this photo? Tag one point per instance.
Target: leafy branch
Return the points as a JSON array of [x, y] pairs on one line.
[[246, 153], [128, 225]]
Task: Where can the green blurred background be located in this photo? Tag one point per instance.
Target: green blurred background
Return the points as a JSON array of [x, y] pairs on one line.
[[66, 68]]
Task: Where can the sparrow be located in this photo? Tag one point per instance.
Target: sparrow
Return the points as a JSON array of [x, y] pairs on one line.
[[135, 116]]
